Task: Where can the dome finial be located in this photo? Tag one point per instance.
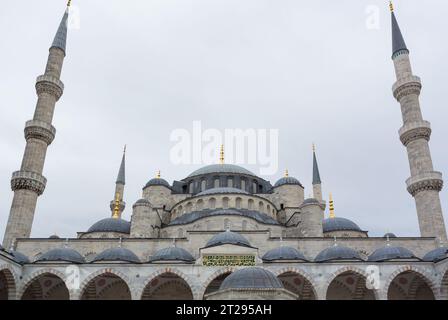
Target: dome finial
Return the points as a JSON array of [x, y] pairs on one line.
[[387, 240], [391, 6], [116, 211], [69, 3], [331, 202], [158, 176], [221, 155], [286, 173], [314, 147]]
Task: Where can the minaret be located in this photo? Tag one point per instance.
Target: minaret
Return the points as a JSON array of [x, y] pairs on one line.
[[29, 183], [117, 205], [425, 183], [317, 184]]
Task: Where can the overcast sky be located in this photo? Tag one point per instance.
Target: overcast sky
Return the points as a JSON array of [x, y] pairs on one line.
[[137, 70]]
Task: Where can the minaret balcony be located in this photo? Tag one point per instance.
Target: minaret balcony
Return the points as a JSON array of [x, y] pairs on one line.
[[49, 84], [27, 180], [35, 129], [415, 130], [431, 180], [406, 86]]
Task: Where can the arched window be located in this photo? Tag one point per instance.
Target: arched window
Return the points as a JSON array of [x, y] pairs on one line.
[[250, 204], [243, 184], [190, 187], [230, 182], [238, 203], [199, 205], [268, 209], [189, 207], [225, 203], [180, 208], [254, 187], [260, 206], [216, 183], [212, 203], [203, 184]]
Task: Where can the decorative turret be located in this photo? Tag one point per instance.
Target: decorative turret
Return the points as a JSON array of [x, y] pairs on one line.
[[29, 183], [425, 183]]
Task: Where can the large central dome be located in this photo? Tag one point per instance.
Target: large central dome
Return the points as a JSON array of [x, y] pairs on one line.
[[221, 168]]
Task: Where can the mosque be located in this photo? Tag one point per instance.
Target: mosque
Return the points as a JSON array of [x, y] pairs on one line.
[[222, 232]]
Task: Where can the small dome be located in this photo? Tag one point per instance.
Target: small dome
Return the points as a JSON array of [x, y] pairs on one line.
[[337, 253], [221, 168], [391, 253], [54, 236], [61, 254], [390, 235], [117, 254], [339, 224], [287, 180], [172, 254], [251, 278], [311, 201], [20, 257], [228, 237], [157, 182], [283, 253], [221, 190], [436, 254], [111, 225]]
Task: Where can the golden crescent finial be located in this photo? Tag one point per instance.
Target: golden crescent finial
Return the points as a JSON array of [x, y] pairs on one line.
[[286, 173], [69, 3], [158, 175], [331, 207], [391, 6], [221, 156]]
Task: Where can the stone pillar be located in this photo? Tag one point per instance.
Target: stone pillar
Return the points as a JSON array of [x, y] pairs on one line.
[[425, 183], [145, 221], [311, 218], [29, 183]]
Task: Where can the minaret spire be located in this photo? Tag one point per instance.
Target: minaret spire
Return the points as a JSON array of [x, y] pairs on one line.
[[28, 183], [317, 184], [425, 183], [117, 205]]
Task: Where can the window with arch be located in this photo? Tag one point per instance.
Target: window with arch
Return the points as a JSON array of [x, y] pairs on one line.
[[254, 187], [180, 208], [268, 208], [200, 204], [230, 182], [190, 187], [225, 202], [250, 204], [203, 185], [212, 203], [243, 184], [216, 183], [238, 202], [189, 207], [260, 206]]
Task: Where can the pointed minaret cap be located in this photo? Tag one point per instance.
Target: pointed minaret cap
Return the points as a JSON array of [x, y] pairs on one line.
[[121, 178], [398, 43], [316, 175], [60, 39]]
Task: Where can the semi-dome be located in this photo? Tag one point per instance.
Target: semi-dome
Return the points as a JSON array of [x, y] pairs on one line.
[[157, 182], [228, 237], [436, 254], [117, 254], [20, 257], [222, 190], [389, 235], [221, 168], [283, 253], [337, 252], [172, 254], [339, 224], [251, 278], [61, 254], [111, 225], [391, 253], [287, 181]]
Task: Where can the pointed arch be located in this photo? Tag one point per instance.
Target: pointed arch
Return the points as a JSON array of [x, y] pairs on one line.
[[212, 277], [10, 281], [359, 285], [413, 286], [32, 288], [86, 285], [311, 290]]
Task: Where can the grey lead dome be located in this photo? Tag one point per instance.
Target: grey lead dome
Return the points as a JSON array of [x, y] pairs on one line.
[[221, 168], [286, 181], [436, 254], [172, 254], [20, 257], [391, 253], [117, 254], [228, 237], [337, 252], [339, 224], [157, 182], [63, 255], [111, 225], [283, 253], [251, 278]]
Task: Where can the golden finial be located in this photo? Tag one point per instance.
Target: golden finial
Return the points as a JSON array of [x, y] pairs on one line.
[[286, 173], [69, 3], [314, 147], [116, 212], [221, 156], [331, 202], [158, 175], [391, 6]]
